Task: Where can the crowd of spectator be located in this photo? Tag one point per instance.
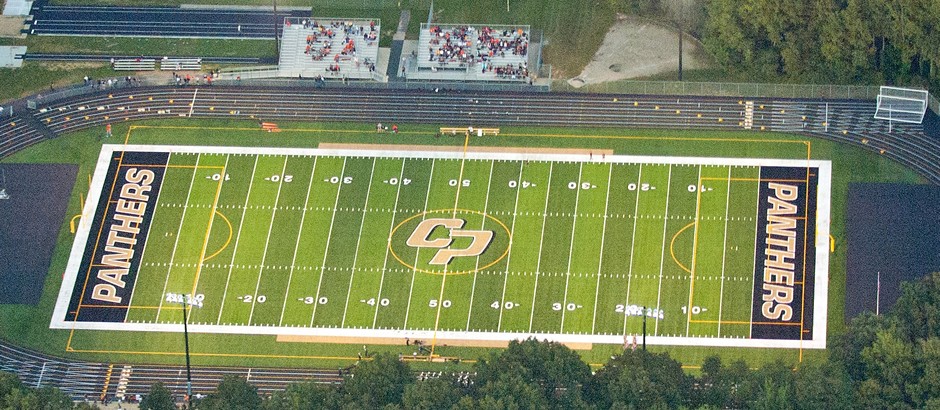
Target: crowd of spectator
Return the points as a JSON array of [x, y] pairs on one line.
[[320, 42], [469, 45]]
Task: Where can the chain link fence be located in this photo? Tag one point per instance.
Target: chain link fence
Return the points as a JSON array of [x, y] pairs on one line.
[[822, 91]]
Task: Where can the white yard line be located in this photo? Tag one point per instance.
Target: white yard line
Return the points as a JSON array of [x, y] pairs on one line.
[[267, 241], [176, 241], [600, 256], [241, 224], [293, 262], [662, 255], [698, 207], [486, 204], [401, 175], [130, 302], [329, 235], [636, 219], [515, 217], [574, 226], [414, 272], [724, 253], [214, 208], [757, 235], [538, 265], [362, 223]]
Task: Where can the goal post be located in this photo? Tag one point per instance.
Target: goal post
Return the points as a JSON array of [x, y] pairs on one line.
[[901, 104]]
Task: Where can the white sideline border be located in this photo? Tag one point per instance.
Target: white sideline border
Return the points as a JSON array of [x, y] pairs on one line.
[[821, 282]]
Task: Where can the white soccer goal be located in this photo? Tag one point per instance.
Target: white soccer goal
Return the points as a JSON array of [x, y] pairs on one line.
[[901, 104]]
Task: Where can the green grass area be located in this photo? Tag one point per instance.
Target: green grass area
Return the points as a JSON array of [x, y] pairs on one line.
[[37, 77], [27, 325], [310, 238]]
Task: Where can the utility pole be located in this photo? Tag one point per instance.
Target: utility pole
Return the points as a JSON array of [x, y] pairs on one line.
[[277, 42], [679, 25]]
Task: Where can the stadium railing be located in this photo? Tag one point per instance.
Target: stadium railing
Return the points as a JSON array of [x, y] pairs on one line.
[[80, 89], [825, 91]]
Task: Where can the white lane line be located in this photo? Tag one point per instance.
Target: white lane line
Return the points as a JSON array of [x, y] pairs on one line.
[[662, 256], [176, 241], [515, 217], [401, 175], [574, 226], [538, 265], [293, 262], [264, 255], [414, 272], [486, 204], [329, 235], [636, 220], [362, 223], [238, 236], [600, 256], [724, 253], [192, 104], [130, 302]]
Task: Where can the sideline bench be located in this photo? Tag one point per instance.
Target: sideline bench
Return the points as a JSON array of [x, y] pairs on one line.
[[181, 64], [469, 130]]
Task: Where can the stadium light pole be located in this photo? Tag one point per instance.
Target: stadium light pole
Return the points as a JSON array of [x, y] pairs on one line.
[[189, 375], [644, 328], [679, 24]]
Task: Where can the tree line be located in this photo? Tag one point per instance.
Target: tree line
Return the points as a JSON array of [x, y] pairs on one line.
[[812, 41], [888, 362]]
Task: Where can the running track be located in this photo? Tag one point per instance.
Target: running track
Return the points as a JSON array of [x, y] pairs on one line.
[[843, 121]]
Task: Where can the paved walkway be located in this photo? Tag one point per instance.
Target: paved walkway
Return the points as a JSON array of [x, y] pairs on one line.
[[17, 8]]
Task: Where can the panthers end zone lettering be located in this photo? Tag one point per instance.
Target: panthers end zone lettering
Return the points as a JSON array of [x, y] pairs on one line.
[[119, 231], [785, 254]]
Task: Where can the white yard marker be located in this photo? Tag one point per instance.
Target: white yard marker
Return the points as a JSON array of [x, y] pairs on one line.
[[414, 272], [241, 224], [515, 217], [724, 253], [662, 256], [267, 241], [574, 225], [538, 265], [130, 302], [326, 250], [176, 241], [401, 175], [293, 263], [600, 256], [362, 223], [486, 204], [636, 218]]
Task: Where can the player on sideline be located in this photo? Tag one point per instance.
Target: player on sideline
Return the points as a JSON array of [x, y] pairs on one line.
[[107, 130]]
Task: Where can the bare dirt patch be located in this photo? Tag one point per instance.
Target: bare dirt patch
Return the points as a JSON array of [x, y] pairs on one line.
[[639, 48], [10, 26]]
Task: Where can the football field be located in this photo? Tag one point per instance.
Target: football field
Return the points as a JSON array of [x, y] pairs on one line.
[[447, 245]]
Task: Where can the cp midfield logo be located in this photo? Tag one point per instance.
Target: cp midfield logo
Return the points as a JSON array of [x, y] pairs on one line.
[[444, 242]]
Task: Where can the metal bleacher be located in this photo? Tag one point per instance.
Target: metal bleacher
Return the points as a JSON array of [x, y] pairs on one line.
[[136, 64], [354, 60], [180, 64], [477, 53]]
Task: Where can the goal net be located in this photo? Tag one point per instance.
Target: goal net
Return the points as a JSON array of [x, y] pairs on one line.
[[901, 104]]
